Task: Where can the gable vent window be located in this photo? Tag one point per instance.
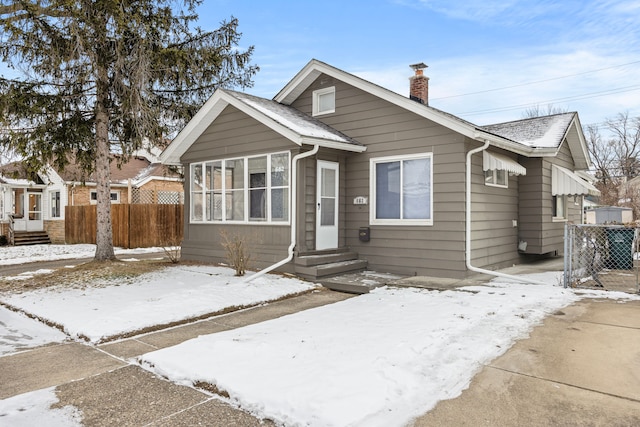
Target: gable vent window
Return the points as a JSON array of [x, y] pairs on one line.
[[324, 101]]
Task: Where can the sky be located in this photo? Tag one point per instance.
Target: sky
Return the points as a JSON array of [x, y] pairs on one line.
[[489, 60]]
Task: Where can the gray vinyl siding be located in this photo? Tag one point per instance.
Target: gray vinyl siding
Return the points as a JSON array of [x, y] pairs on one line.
[[537, 227], [388, 130], [234, 134], [308, 201], [494, 239]]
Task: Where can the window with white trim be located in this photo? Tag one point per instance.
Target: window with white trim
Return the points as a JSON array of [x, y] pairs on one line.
[[246, 189], [496, 178], [324, 101], [402, 190], [560, 208], [56, 205], [93, 197]]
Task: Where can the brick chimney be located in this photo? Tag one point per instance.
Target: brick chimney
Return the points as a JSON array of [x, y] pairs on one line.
[[419, 84]]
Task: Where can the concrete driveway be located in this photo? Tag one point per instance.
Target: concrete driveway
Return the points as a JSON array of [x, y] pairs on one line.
[[580, 368]]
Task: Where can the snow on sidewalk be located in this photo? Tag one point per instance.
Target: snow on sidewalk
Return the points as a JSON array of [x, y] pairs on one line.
[[379, 359], [172, 294], [18, 332]]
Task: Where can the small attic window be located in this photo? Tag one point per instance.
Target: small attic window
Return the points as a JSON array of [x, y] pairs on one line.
[[324, 101]]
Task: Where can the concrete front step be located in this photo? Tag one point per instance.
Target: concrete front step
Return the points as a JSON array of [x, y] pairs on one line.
[[326, 258], [330, 269]]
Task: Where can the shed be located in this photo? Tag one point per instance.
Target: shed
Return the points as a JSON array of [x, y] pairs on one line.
[[609, 214]]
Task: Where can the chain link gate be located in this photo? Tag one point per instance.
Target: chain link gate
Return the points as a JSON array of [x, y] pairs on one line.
[[602, 257]]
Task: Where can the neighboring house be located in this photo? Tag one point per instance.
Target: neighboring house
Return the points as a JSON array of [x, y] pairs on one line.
[[37, 202], [336, 163]]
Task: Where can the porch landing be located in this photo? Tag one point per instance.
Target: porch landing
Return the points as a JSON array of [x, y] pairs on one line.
[[360, 282], [365, 281]]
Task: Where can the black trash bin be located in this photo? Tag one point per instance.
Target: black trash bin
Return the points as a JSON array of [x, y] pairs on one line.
[[620, 247]]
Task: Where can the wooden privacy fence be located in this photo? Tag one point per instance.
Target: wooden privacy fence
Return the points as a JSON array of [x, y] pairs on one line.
[[134, 226]]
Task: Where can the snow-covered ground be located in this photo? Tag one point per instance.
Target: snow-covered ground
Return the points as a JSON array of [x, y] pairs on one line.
[[379, 359], [34, 409], [168, 295], [18, 332], [10, 255]]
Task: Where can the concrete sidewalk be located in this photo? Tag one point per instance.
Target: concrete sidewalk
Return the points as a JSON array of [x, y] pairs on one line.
[[110, 389], [580, 368]]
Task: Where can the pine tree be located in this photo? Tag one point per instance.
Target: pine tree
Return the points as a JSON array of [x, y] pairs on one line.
[[97, 76]]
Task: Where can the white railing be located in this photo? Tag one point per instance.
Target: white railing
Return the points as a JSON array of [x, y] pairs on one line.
[[11, 230]]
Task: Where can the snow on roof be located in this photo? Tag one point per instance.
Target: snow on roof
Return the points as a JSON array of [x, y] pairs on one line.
[[293, 119], [15, 182], [537, 132]]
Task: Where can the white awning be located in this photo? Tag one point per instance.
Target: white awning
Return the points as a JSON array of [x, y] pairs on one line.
[[565, 182], [493, 161]]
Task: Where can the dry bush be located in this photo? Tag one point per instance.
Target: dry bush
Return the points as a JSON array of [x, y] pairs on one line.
[[172, 247], [237, 251]]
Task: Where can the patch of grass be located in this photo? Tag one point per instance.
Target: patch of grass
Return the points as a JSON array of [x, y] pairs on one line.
[[211, 388], [90, 274]]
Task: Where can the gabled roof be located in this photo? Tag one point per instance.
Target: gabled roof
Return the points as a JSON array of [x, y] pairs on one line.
[[16, 174], [547, 132], [542, 132], [315, 68], [294, 125], [522, 144], [538, 137], [137, 169]]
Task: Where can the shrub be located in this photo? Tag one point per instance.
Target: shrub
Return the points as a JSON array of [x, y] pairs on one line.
[[172, 249], [237, 251], [3, 240]]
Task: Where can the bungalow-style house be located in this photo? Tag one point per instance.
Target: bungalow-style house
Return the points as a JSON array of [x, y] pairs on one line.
[[33, 205], [336, 172]]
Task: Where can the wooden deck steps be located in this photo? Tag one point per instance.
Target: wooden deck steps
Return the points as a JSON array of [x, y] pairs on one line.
[[23, 238]]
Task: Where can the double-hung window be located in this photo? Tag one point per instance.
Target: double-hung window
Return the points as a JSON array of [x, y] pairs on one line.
[[496, 178], [247, 189], [560, 208], [56, 206], [402, 190], [114, 196]]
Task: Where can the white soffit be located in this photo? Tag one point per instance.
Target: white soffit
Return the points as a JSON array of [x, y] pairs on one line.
[[493, 161], [565, 182]]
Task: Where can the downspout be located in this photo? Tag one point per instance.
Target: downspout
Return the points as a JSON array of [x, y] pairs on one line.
[[468, 227], [294, 214]]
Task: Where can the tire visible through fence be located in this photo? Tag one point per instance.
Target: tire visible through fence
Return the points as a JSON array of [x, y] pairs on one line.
[[602, 257]]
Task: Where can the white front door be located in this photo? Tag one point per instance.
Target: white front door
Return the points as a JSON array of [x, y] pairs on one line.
[[34, 213], [327, 205]]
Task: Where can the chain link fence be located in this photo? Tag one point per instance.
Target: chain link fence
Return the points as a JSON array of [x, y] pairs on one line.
[[602, 257]]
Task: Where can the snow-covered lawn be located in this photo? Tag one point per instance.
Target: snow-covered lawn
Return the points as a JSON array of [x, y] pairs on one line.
[[10, 255], [379, 359], [18, 332], [168, 295]]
